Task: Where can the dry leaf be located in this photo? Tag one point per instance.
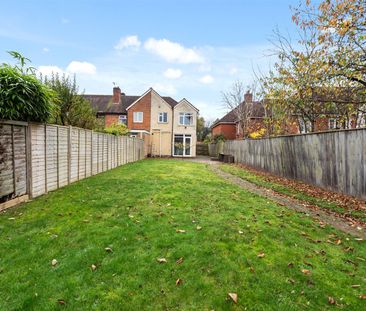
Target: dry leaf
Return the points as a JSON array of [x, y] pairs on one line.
[[162, 260], [363, 296], [290, 264], [180, 260], [61, 302], [331, 301], [198, 227], [260, 255], [356, 286], [339, 241], [93, 267], [54, 262], [240, 232], [108, 250], [305, 271], [180, 231], [233, 297], [178, 282], [251, 269]]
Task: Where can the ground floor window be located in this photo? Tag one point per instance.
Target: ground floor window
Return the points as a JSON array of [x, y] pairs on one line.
[[182, 145]]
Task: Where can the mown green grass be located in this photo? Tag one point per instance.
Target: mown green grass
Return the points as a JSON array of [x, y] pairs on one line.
[[136, 210], [300, 195]]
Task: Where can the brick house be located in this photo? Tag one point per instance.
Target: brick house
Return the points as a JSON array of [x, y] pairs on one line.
[[168, 127], [228, 125]]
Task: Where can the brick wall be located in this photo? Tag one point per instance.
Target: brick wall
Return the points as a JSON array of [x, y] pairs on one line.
[[143, 105], [109, 119], [228, 130]]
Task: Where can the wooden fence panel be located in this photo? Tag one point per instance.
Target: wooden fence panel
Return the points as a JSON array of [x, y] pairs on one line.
[[334, 160], [37, 158], [51, 157], [6, 161], [20, 160], [63, 152]]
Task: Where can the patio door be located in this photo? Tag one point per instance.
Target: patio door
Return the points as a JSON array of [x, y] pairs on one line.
[[182, 145]]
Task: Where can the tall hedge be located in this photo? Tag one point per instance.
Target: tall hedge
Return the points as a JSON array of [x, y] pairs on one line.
[[22, 96]]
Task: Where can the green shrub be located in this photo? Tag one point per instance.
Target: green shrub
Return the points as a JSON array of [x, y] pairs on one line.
[[117, 129], [22, 96]]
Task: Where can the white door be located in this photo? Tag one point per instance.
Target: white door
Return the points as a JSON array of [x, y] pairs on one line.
[[182, 145]]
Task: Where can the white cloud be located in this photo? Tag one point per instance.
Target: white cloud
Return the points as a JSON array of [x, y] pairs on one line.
[[45, 50], [173, 52], [165, 89], [129, 41], [207, 79], [171, 73], [82, 68], [48, 70]]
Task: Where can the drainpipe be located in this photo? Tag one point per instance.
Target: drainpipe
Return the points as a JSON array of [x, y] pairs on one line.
[[173, 115]]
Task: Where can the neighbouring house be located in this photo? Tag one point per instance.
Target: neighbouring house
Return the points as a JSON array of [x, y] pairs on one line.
[[229, 126], [168, 127]]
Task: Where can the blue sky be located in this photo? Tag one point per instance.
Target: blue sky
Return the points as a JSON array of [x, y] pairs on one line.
[[192, 49]]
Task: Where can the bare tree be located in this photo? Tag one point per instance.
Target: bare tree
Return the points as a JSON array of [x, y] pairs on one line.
[[234, 100]]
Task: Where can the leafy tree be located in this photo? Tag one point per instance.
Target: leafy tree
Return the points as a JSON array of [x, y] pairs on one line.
[[117, 129], [322, 73], [203, 129], [73, 108], [22, 96]]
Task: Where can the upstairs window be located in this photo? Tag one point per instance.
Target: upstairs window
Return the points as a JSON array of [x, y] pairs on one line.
[[163, 117], [185, 118], [122, 119], [138, 117]]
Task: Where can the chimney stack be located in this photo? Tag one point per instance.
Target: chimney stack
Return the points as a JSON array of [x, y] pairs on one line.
[[248, 97], [116, 95]]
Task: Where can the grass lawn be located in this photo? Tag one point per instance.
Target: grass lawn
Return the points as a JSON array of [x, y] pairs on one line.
[[136, 210], [287, 190]]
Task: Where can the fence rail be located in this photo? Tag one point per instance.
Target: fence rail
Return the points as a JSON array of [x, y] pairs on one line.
[[37, 158], [334, 160]]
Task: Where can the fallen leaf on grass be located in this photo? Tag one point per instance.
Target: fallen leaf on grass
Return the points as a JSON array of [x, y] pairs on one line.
[[355, 286], [93, 267], [108, 250], [339, 241], [251, 269], [233, 297], [161, 260], [179, 261], [305, 271], [198, 227], [261, 255], [290, 264], [178, 282], [240, 232], [363, 296], [54, 262], [180, 231], [331, 300], [61, 302]]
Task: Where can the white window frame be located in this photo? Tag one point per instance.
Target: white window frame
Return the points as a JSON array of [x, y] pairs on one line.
[[122, 119], [184, 116], [138, 117], [162, 116], [334, 122]]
